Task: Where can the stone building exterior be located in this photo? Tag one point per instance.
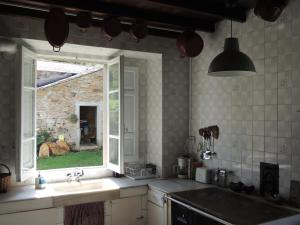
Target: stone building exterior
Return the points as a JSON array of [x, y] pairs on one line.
[[58, 101]]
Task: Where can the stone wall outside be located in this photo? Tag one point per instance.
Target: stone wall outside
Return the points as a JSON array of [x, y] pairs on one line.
[[56, 103]]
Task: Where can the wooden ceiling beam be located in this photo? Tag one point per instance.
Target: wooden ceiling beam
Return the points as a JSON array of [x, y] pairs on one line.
[[11, 10], [128, 13], [237, 13]]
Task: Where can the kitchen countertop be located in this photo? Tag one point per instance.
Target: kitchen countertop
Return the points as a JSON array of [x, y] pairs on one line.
[[21, 193]]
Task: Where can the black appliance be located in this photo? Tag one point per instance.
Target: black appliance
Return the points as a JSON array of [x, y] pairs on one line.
[[269, 179], [215, 206], [183, 216]]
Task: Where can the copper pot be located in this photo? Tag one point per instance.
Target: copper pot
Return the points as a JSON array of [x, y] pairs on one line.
[[189, 44], [139, 30], [269, 10], [56, 28], [84, 20], [112, 27]]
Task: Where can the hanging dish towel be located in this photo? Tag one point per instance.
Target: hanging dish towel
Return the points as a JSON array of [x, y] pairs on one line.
[[85, 214]]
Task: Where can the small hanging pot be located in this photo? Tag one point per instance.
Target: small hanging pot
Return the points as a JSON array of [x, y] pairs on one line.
[[139, 30], [112, 27], [189, 44], [84, 20], [269, 10], [56, 28]]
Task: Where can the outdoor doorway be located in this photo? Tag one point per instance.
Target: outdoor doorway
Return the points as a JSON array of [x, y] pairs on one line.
[[88, 125]]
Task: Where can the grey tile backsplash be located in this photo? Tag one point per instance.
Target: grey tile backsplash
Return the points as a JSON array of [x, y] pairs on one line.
[[258, 115]]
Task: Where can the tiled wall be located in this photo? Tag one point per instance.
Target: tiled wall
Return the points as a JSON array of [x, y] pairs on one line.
[[173, 117], [258, 116]]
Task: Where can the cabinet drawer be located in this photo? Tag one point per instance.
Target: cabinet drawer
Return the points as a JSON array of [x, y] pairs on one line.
[[156, 197], [37, 217]]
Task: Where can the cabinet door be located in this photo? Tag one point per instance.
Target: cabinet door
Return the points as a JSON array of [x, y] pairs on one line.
[[36, 217], [127, 211], [155, 214]]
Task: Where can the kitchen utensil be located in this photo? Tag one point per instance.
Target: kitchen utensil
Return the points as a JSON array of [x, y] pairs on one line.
[[56, 28], [189, 44], [139, 30], [269, 10], [221, 177], [112, 27], [182, 167], [203, 175], [4, 179], [84, 20]]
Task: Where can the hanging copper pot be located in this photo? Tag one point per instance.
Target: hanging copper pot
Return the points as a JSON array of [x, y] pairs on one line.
[[84, 20], [139, 30], [56, 28], [112, 27], [189, 44], [269, 10]]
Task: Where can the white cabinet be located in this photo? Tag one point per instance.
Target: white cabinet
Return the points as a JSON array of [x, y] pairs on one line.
[[36, 217], [157, 209], [128, 211], [155, 214]]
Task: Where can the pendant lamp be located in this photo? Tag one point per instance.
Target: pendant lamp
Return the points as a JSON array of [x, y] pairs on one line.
[[231, 62]]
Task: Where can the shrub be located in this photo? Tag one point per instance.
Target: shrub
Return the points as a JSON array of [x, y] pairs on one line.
[[43, 136]]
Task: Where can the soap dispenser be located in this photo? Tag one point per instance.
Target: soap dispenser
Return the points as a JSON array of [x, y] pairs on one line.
[[40, 182]]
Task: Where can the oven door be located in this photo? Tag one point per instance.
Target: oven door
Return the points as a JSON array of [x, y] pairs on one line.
[[183, 216]]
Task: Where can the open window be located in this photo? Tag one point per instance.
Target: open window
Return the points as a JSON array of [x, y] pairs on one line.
[[115, 114], [102, 108], [26, 122], [122, 115]]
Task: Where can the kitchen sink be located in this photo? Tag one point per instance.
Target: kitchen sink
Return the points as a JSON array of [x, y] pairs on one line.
[[84, 186]]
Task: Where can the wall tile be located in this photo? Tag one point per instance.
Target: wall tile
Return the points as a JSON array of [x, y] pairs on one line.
[[258, 98], [271, 128], [296, 129], [284, 96], [271, 144], [258, 143], [284, 112], [271, 81], [258, 128], [284, 146], [270, 157], [258, 112], [271, 112], [271, 96], [284, 129]]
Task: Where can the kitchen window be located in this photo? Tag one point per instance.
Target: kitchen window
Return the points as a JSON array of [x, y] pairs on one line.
[[120, 121]]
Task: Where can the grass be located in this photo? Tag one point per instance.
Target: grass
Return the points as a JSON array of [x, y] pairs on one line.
[[72, 159]]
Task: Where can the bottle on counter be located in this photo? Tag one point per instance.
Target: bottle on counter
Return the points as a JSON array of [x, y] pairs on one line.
[[40, 182]]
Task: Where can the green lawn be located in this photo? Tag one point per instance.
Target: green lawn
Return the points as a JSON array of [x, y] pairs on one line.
[[72, 159]]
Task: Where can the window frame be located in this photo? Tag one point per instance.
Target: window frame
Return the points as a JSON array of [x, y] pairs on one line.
[[57, 175]]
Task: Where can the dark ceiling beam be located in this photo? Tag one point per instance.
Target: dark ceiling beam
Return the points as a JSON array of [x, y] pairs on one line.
[[237, 13], [103, 9], [11, 10]]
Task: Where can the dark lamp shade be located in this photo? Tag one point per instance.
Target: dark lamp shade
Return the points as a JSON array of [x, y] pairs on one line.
[[231, 62]]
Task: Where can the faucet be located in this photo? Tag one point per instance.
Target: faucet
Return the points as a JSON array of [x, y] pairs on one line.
[[75, 176]]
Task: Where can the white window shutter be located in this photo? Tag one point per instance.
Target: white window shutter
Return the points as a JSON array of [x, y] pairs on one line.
[[26, 111], [115, 114]]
